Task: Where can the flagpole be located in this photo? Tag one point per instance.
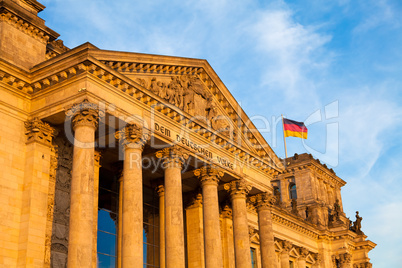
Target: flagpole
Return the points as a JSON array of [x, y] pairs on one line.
[[284, 138]]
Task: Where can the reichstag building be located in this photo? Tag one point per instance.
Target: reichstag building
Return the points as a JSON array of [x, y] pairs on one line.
[[117, 159]]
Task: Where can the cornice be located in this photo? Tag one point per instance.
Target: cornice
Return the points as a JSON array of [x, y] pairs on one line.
[[26, 26], [294, 225]]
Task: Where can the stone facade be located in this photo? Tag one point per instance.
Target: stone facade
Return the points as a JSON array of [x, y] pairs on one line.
[[159, 146]]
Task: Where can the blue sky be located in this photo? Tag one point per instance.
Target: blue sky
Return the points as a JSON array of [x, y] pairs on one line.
[[339, 60]]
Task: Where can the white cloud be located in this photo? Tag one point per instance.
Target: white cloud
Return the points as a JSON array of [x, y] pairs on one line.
[[292, 50]]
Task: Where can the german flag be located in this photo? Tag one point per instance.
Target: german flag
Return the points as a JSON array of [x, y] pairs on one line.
[[294, 129]]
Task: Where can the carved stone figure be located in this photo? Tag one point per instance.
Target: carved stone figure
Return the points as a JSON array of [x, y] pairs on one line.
[[277, 194], [337, 211], [357, 225], [188, 93]]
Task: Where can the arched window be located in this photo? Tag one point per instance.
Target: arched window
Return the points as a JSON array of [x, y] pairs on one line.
[[292, 191]]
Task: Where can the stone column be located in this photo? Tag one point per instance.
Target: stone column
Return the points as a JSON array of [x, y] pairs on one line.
[[301, 262], [85, 117], [172, 161], [133, 140], [96, 197], [227, 237], [120, 221], [286, 247], [238, 190], [267, 244], [209, 178], [37, 195], [161, 192]]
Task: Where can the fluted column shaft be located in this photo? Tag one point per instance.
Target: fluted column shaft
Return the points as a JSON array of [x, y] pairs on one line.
[[161, 193], [267, 244], [133, 140], [174, 232], [80, 242], [238, 191], [209, 178]]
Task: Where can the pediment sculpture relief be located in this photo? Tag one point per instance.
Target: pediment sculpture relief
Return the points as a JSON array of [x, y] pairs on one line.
[[189, 94]]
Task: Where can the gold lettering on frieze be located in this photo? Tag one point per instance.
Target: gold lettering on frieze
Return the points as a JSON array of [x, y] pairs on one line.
[[199, 149]]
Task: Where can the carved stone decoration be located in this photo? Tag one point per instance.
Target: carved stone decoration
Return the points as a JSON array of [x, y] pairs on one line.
[[277, 194], [294, 207], [363, 265], [196, 201], [344, 258], [317, 258], [252, 231], [188, 93], [264, 200], [160, 189], [226, 211], [303, 252], [174, 155], [61, 209], [238, 188], [286, 246], [84, 114], [132, 135], [50, 205], [209, 174], [38, 131], [357, 225]]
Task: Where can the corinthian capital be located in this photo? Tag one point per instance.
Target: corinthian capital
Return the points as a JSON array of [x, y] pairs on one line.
[[237, 188], [84, 114], [264, 201], [173, 156], [132, 136], [38, 131], [209, 175]]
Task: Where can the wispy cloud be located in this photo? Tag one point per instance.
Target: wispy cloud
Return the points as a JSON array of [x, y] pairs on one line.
[[293, 50], [379, 13]]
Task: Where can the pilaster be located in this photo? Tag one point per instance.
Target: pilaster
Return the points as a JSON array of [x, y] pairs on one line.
[[195, 232], [227, 237], [38, 196]]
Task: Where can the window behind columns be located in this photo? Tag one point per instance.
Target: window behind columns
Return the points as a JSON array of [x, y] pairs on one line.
[[151, 228], [107, 219], [253, 253]]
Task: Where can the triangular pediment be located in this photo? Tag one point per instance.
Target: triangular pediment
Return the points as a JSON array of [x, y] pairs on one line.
[[185, 90], [193, 87], [293, 253], [310, 259]]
